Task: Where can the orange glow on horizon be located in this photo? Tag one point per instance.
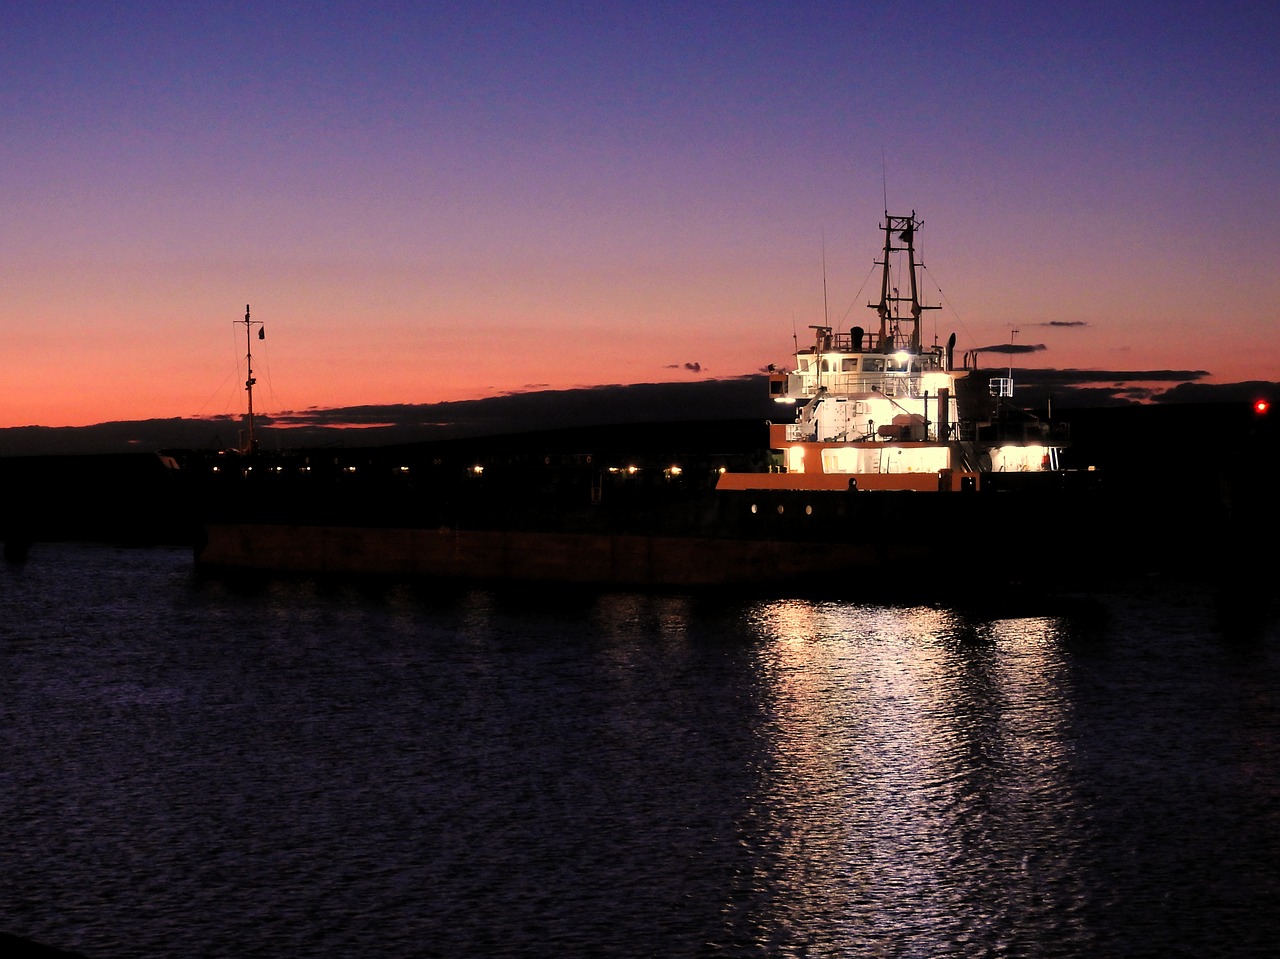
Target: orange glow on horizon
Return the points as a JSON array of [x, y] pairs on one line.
[[457, 206]]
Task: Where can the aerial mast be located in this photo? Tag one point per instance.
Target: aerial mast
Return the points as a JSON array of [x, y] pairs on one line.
[[883, 306], [905, 228], [251, 444]]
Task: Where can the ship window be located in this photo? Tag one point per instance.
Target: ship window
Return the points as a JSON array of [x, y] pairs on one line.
[[850, 364], [873, 364], [840, 459], [804, 364]]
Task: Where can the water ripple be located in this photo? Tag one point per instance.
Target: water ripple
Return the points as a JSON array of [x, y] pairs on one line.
[[307, 768]]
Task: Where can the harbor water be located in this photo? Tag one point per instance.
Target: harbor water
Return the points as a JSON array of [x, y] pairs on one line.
[[299, 768]]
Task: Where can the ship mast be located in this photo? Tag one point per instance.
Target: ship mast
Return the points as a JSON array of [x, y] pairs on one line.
[[905, 229], [251, 444]]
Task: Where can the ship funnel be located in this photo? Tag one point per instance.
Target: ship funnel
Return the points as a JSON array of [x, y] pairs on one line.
[[855, 337]]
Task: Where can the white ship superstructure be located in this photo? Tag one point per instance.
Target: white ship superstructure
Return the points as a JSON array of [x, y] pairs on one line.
[[878, 410]]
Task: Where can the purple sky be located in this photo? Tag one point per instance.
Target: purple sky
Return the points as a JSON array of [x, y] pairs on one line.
[[429, 202]]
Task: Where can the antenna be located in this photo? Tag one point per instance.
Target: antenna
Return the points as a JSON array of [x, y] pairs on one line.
[[884, 177], [251, 446], [826, 312]]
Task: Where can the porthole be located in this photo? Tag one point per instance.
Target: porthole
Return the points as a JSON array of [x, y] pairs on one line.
[[808, 511]]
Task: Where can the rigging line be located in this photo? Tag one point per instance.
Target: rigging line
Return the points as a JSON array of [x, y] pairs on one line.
[[266, 366], [204, 407], [856, 296], [234, 405], [950, 305], [924, 269]]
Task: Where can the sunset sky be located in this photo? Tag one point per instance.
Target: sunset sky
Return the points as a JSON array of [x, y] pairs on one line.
[[430, 201]]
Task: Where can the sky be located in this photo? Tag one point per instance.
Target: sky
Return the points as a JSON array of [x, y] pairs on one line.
[[430, 202]]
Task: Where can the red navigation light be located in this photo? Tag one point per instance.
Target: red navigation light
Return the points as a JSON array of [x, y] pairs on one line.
[[1261, 406]]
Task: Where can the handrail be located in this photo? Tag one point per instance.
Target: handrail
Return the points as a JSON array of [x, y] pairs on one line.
[[890, 384]]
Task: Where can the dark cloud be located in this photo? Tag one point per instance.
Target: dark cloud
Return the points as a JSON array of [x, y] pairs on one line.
[[1247, 392], [703, 400], [1089, 388], [1071, 376], [1011, 348]]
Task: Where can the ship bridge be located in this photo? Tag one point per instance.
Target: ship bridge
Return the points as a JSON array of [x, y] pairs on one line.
[[835, 370]]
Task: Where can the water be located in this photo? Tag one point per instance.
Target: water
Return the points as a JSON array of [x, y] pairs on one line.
[[293, 768]]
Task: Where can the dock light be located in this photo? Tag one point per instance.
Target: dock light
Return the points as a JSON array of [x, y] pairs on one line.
[[477, 469], [674, 471], [1261, 406]]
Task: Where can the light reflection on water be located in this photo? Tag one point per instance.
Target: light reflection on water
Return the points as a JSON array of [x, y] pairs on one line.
[[317, 769], [920, 789]]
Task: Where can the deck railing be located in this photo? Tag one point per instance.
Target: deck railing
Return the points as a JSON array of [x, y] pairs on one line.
[[890, 384]]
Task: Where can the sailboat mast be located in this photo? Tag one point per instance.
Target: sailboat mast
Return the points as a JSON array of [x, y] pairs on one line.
[[251, 446]]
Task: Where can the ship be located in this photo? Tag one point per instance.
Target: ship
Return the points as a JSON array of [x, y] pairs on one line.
[[880, 411], [892, 461]]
